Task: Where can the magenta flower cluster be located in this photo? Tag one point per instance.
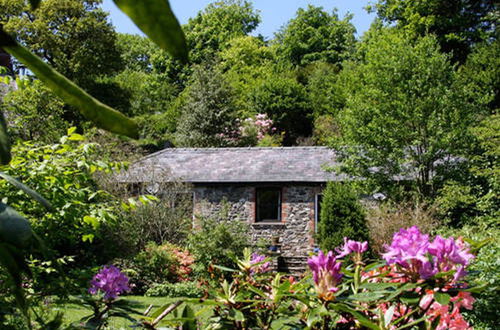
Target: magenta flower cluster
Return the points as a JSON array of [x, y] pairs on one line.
[[111, 281], [418, 256], [326, 273], [260, 265], [351, 246]]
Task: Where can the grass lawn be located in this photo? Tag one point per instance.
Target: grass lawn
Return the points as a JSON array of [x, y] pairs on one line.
[[73, 313]]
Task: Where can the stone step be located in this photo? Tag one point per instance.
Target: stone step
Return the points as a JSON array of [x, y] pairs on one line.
[[294, 269], [292, 265]]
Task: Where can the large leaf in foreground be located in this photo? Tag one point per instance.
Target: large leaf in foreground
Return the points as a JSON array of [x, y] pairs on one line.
[[13, 262], [101, 114], [156, 19], [4, 142], [36, 196], [14, 228]]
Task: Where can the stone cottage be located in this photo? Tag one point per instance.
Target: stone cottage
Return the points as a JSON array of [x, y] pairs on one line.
[[277, 191]]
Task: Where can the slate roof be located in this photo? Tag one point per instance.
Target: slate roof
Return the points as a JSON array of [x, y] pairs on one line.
[[236, 165]]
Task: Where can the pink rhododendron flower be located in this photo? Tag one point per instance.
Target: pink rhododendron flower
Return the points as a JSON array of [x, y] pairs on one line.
[[412, 250], [447, 320], [262, 266], [351, 246], [111, 281], [426, 300], [260, 125], [450, 256], [463, 299], [326, 274], [409, 250]]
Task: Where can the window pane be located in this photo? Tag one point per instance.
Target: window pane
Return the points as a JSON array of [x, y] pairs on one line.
[[268, 204]]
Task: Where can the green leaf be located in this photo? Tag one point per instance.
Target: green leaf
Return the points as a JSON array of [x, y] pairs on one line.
[[444, 274], [378, 286], [442, 298], [237, 315], [478, 288], [4, 142], [76, 137], [403, 289], [101, 114], [190, 319], [160, 310], [226, 269], [14, 228], [357, 315], [156, 19], [366, 296], [19, 185], [88, 237], [90, 220], [411, 324]]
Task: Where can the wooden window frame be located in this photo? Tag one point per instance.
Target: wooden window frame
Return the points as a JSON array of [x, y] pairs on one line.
[[280, 204]]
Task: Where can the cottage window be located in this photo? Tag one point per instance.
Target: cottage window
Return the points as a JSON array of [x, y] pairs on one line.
[[268, 205]]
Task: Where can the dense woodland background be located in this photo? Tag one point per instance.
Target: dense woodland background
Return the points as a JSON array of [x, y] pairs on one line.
[[416, 95]]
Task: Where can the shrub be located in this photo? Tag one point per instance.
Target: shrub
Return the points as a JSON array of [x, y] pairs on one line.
[[34, 113], [385, 219], [181, 289], [157, 264], [214, 240], [483, 270], [167, 219], [341, 216], [63, 173], [157, 129], [416, 283]]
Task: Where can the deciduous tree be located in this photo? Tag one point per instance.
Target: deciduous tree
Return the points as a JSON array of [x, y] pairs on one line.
[[458, 24], [285, 101], [316, 35], [210, 31], [404, 117], [74, 36]]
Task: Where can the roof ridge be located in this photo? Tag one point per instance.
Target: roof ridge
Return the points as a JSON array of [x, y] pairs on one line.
[[209, 149]]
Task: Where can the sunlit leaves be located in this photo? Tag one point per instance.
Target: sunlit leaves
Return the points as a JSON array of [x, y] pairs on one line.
[[101, 114], [21, 186]]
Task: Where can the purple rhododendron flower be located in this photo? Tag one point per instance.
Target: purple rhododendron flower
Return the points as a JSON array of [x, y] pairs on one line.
[[409, 249], [263, 267], [111, 281], [450, 254], [407, 244], [412, 250], [351, 246], [326, 274]]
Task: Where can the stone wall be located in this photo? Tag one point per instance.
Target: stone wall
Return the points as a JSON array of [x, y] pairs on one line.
[[237, 202]]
